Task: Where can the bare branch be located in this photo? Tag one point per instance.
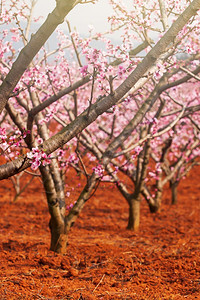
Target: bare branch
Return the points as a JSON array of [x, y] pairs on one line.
[[163, 13], [92, 91], [151, 136], [191, 73], [74, 45]]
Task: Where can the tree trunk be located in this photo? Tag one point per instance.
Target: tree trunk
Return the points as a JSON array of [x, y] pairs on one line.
[[156, 204], [154, 207], [153, 203], [173, 186], [58, 237], [56, 209], [54, 188], [134, 214]]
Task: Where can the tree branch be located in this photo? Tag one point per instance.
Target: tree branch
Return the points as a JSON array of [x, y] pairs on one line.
[[33, 46], [102, 105]]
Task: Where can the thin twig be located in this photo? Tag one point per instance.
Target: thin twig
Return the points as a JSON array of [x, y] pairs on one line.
[[92, 91], [99, 283], [74, 45], [190, 73], [163, 13], [82, 164]]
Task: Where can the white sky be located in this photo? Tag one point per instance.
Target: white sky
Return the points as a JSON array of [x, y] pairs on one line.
[[82, 15]]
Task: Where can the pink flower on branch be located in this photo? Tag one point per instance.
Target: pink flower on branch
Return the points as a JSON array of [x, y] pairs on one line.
[[84, 70], [98, 170], [37, 157]]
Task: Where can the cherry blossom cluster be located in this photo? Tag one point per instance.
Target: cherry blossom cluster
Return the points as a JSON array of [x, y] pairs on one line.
[[38, 157], [98, 170], [12, 141]]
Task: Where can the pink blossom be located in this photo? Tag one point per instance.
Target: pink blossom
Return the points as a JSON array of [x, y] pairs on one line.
[[67, 194], [38, 156], [98, 170], [121, 71], [84, 70], [138, 149]]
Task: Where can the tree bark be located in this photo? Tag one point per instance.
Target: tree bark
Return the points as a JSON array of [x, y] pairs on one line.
[[154, 207], [158, 199], [58, 236], [173, 186], [57, 212], [134, 214]]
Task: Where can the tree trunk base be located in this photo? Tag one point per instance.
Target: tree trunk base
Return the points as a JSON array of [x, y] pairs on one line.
[[154, 208], [134, 215], [61, 245]]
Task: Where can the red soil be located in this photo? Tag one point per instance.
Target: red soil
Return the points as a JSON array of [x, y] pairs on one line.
[[104, 260]]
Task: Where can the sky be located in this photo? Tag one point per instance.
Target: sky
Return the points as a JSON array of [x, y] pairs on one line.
[[82, 15]]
